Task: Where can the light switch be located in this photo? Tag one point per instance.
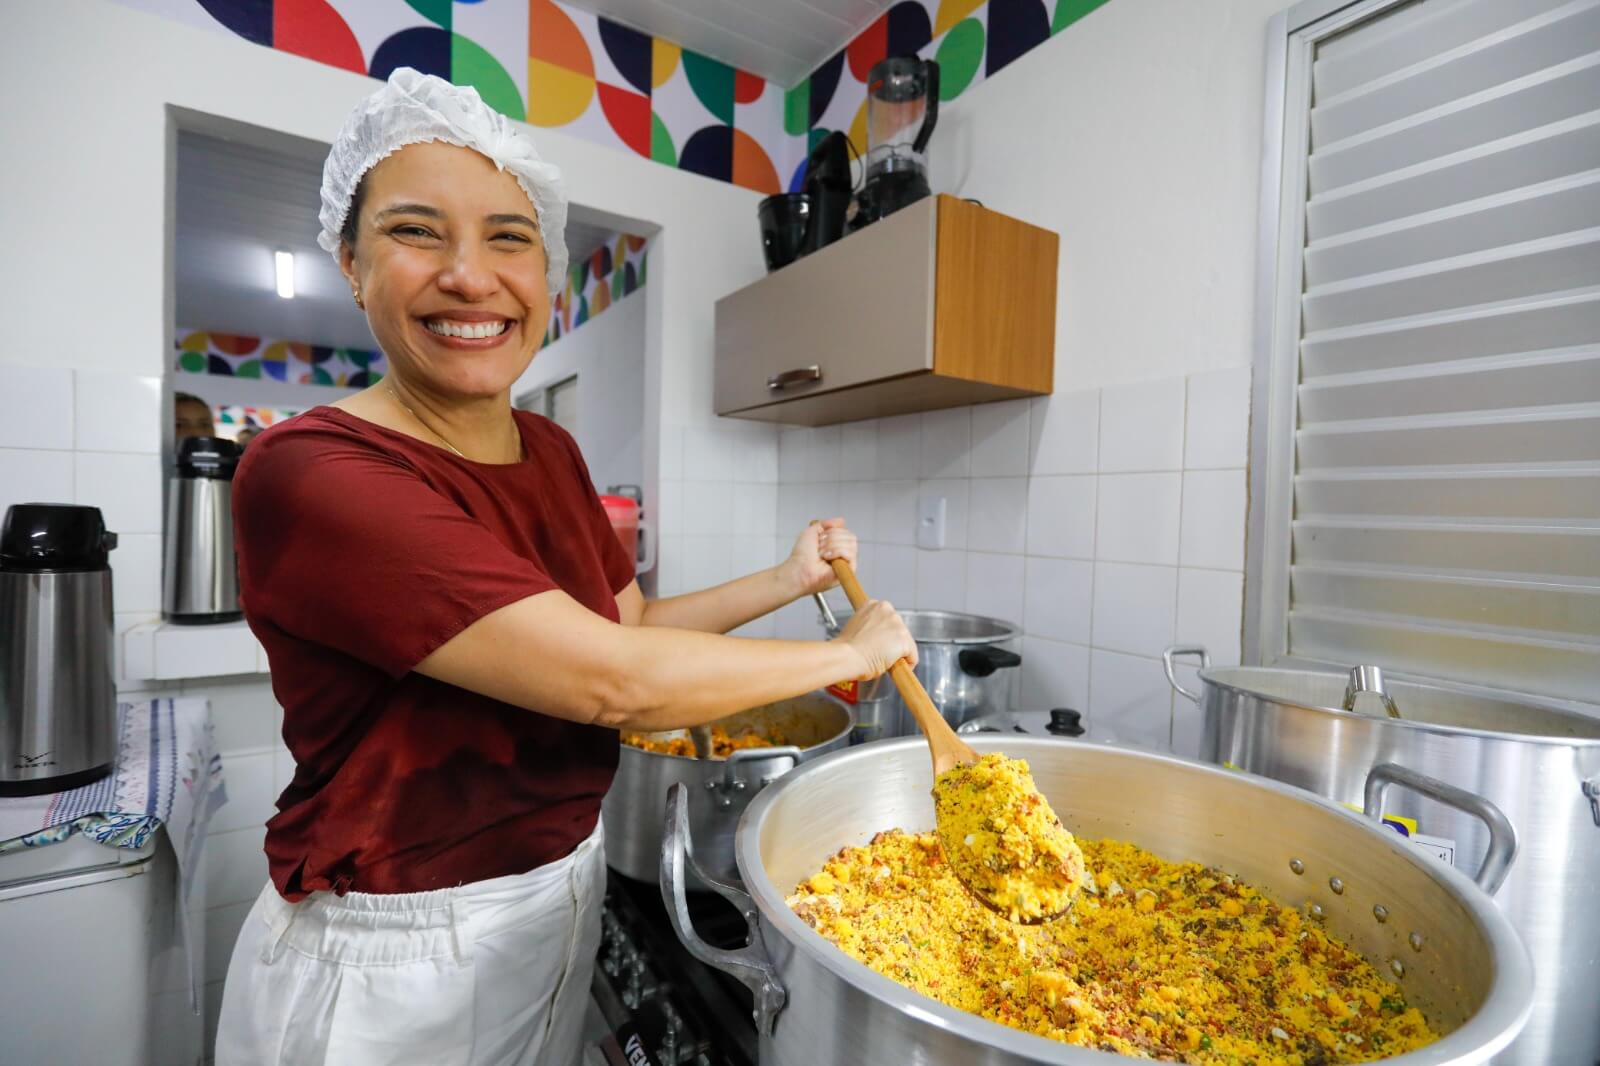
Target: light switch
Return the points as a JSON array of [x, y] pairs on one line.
[[930, 522]]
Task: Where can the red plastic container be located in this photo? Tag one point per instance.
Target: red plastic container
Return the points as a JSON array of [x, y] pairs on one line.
[[624, 515]]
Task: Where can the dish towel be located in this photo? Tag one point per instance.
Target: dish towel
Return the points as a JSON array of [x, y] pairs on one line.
[[167, 773]]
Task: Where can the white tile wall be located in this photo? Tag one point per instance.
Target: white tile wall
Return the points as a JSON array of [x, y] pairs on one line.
[[1059, 600], [1064, 433], [32, 475], [1141, 426], [116, 413], [1069, 515], [947, 443], [35, 407], [125, 486], [997, 519], [1214, 504], [1135, 607], [1061, 516], [720, 496], [1000, 439], [1217, 424], [995, 585], [1136, 520]]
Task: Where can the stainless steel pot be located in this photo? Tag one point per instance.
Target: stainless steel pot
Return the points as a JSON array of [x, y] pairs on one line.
[[1540, 764], [1453, 952], [721, 788], [966, 662]]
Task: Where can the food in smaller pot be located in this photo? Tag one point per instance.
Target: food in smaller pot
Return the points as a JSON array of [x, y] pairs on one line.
[[1164, 960], [1003, 841], [723, 743]]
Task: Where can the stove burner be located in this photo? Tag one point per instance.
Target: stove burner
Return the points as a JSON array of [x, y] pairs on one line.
[[678, 1011]]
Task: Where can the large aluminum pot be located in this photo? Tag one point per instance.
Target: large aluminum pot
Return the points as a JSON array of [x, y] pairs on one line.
[[721, 788], [1539, 764], [966, 662], [1468, 972]]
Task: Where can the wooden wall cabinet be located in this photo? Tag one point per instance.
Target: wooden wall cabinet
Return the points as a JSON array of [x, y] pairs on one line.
[[941, 304]]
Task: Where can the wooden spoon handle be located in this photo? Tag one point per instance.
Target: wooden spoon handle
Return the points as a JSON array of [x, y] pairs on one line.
[[948, 748]]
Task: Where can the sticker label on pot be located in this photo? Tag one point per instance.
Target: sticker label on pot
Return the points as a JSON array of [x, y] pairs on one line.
[[1442, 848], [846, 691]]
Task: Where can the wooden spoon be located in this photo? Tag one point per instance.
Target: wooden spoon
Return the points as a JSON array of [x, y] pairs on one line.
[[950, 752], [948, 749]]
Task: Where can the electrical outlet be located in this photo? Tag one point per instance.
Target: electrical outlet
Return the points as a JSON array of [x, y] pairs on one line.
[[930, 522]]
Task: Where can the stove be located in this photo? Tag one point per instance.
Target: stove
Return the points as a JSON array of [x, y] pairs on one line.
[[654, 1004]]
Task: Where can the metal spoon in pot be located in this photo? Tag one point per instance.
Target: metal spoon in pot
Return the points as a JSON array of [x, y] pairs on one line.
[[1031, 876]]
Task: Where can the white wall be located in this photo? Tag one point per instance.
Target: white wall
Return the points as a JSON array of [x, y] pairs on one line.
[[607, 353], [1136, 135], [1108, 519]]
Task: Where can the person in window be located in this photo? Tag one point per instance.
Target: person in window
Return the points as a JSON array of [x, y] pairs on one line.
[[456, 635], [193, 417], [246, 435]]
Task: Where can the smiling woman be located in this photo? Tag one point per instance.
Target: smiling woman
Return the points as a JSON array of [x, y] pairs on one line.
[[455, 634]]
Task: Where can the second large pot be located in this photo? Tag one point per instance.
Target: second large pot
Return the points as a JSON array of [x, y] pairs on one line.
[[1455, 954], [1540, 765], [721, 789]]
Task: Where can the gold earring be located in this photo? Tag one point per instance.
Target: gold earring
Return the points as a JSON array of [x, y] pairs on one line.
[[357, 294]]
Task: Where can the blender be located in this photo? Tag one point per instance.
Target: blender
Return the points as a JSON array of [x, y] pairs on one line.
[[902, 109]]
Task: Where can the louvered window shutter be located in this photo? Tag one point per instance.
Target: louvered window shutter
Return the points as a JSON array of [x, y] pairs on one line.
[[1439, 514]]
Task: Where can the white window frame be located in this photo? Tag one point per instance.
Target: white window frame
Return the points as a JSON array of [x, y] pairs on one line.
[[1292, 38]]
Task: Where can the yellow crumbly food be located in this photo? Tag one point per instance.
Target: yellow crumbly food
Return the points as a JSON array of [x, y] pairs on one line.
[[723, 744], [1003, 840], [1162, 960]]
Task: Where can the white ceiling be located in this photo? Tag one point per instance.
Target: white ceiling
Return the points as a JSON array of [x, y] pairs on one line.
[[781, 40], [237, 204]]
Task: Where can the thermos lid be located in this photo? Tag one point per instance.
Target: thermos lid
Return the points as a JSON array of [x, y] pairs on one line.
[[212, 457], [54, 536]]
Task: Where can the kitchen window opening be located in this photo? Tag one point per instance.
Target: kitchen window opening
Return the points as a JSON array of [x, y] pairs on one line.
[[1425, 466]]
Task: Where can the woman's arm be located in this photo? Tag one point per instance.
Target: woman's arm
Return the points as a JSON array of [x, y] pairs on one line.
[[729, 606], [550, 654]]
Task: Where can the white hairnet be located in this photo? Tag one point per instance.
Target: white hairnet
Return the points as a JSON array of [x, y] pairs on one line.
[[412, 107]]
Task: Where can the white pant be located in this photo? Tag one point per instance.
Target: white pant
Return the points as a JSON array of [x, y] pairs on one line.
[[494, 973]]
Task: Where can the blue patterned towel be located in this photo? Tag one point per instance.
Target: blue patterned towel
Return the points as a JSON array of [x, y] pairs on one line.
[[168, 773]]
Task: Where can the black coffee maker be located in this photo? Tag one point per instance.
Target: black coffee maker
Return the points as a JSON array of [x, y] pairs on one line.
[[902, 110], [799, 223]]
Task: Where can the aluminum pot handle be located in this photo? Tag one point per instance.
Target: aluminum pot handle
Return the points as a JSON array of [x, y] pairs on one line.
[[730, 765], [750, 964], [1172, 653], [829, 622], [1502, 834]]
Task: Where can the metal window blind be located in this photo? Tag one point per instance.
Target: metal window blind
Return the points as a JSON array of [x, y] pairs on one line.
[[1446, 485]]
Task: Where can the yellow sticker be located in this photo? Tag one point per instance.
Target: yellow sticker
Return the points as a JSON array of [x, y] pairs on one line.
[[1406, 827]]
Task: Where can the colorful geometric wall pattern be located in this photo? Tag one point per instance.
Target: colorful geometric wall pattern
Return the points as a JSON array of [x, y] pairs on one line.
[[231, 418], [544, 63], [239, 356], [969, 39], [615, 270], [555, 66]]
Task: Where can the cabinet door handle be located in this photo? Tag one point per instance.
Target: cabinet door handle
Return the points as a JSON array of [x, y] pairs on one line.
[[801, 376]]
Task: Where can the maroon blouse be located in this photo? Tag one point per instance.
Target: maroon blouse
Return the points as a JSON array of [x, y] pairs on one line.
[[361, 551]]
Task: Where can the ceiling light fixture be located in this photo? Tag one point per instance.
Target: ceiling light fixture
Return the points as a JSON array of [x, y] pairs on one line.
[[285, 265]]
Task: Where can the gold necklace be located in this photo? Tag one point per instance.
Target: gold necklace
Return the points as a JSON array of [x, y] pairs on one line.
[[421, 423]]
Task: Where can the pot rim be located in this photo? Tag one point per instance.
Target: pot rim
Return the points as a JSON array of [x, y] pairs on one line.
[[1206, 676], [1486, 1032], [849, 724], [1004, 631]]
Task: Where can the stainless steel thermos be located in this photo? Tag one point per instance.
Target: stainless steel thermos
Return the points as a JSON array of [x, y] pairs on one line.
[[201, 582], [58, 698]]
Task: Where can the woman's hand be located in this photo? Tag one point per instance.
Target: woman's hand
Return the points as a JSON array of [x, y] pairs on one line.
[[879, 635], [809, 567]]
